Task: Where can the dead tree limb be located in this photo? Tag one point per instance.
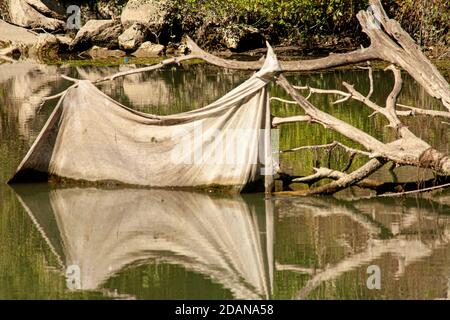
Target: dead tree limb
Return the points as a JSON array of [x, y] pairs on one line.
[[389, 42], [276, 121], [380, 187], [396, 46], [411, 111], [407, 150], [312, 90], [341, 183], [419, 111], [328, 146], [330, 122]]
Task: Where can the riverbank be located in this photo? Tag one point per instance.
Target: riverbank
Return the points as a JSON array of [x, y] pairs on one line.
[[442, 63]]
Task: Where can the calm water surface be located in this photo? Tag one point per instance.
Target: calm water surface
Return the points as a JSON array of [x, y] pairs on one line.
[[72, 243]]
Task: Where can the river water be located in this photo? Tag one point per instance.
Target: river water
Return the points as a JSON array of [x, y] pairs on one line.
[[77, 243]]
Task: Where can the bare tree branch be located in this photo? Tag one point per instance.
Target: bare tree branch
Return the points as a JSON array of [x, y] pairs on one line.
[[341, 183], [414, 110], [282, 100], [355, 134], [329, 146], [276, 121], [345, 95]]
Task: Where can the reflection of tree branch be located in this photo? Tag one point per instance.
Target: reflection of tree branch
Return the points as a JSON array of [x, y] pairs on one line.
[[296, 268], [406, 250], [410, 250], [335, 206]]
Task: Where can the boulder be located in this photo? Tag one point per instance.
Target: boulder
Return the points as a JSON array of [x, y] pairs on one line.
[[100, 52], [103, 33], [64, 42], [49, 8], [149, 50], [133, 37], [46, 47], [171, 48], [241, 37], [147, 12], [8, 50], [45, 14], [182, 49], [15, 40], [156, 15], [12, 33]]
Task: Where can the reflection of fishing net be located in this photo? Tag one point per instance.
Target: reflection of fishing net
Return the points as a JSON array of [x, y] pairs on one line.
[[93, 138], [98, 232]]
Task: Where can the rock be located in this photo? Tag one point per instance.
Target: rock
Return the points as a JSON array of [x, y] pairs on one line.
[[159, 16], [182, 50], [99, 32], [99, 52], [147, 12], [177, 49], [64, 42], [46, 47], [241, 37], [148, 50], [133, 37], [45, 14], [9, 32], [9, 50], [171, 48], [15, 40], [49, 8]]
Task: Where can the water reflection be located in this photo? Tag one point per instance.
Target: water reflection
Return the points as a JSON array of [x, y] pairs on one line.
[[28, 83], [403, 237], [251, 247], [98, 232]]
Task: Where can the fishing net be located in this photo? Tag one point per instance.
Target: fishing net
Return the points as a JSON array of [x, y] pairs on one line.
[[91, 137]]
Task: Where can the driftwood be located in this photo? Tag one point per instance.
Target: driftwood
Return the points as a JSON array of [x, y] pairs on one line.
[[381, 188], [389, 42], [408, 149]]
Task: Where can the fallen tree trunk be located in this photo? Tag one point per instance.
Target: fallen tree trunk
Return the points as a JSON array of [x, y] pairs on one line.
[[378, 186]]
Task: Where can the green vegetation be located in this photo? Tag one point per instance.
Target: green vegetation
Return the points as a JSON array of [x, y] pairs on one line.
[[322, 15], [427, 21], [296, 20]]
